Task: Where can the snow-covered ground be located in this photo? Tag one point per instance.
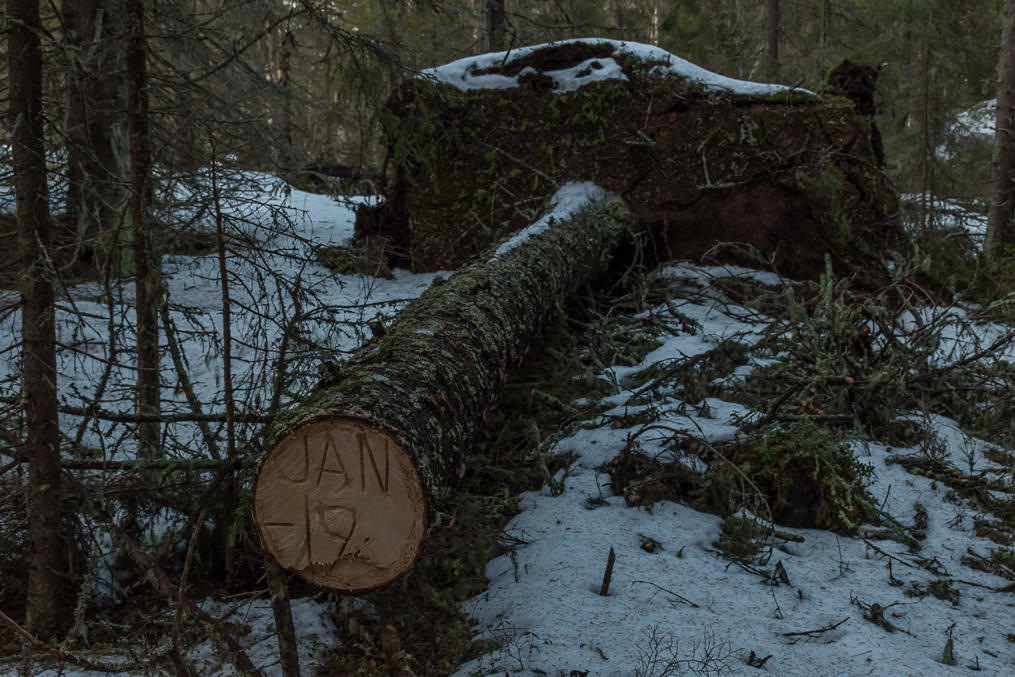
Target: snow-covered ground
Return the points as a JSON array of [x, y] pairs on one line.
[[822, 605], [682, 609], [277, 285], [972, 127], [685, 606], [975, 124]]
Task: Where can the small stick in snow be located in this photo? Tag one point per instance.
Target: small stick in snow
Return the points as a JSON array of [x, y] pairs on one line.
[[815, 633], [605, 589], [669, 592]]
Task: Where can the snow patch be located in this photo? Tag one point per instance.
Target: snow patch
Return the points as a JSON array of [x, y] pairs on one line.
[[569, 200], [463, 72]]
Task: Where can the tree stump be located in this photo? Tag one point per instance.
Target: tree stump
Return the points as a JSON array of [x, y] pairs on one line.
[[700, 158]]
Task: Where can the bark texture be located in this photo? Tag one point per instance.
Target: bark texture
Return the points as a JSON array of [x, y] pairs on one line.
[[38, 330], [772, 21], [285, 630], [1000, 226], [354, 476], [93, 123], [495, 25], [789, 173], [146, 273]]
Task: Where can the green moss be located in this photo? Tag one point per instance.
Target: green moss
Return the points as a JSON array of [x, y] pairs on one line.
[[809, 478], [742, 537], [479, 166], [792, 97]]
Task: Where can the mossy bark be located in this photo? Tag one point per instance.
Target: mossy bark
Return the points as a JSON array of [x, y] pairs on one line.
[[792, 174], [336, 482]]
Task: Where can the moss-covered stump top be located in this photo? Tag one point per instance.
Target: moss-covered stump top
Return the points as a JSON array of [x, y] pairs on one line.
[[477, 146]]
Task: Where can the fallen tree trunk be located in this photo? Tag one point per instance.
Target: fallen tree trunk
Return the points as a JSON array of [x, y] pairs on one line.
[[355, 474]]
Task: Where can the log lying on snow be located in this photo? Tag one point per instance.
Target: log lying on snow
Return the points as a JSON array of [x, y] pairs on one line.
[[354, 475], [699, 157]]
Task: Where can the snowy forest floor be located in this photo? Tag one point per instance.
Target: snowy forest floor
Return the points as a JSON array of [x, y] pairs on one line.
[[689, 374]]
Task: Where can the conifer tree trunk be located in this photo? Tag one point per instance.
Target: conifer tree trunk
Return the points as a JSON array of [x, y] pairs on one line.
[[495, 25], [1000, 229], [93, 118], [772, 36], [926, 151], [826, 21], [38, 330], [146, 268], [287, 154]]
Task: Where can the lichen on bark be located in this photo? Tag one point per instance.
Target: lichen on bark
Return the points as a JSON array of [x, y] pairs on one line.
[[431, 381]]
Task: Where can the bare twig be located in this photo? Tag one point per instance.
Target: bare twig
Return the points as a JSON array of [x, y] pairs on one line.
[[123, 417], [815, 633], [999, 342], [227, 337], [62, 655], [178, 658], [183, 378], [669, 592], [144, 465], [162, 583], [225, 469]]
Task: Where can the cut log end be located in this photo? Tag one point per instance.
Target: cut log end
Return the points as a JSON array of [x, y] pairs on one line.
[[341, 503]]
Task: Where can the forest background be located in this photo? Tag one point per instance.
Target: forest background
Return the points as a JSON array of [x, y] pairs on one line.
[[137, 100], [281, 85]]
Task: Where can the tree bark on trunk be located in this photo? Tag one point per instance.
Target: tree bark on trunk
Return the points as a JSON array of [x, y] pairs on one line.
[[38, 329], [285, 630], [926, 151], [826, 22], [354, 475], [94, 110], [495, 25], [146, 268], [1000, 228], [288, 157], [772, 20]]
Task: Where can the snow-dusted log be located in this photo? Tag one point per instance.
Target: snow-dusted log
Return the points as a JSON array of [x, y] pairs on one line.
[[354, 475]]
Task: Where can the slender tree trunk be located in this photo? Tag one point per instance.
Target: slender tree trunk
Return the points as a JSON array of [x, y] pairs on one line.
[[146, 269], [495, 25], [925, 148], [71, 15], [772, 36], [287, 155], [93, 119], [1000, 229], [826, 22], [653, 29], [230, 487], [38, 329], [285, 630]]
